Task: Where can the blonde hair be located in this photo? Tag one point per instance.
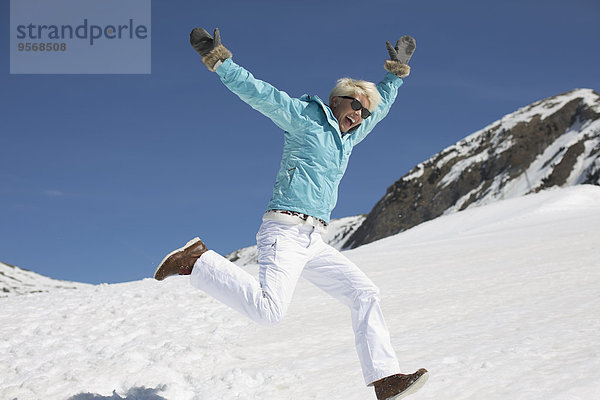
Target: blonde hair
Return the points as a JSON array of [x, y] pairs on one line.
[[353, 87]]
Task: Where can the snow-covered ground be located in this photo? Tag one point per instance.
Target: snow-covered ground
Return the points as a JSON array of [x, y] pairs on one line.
[[15, 281], [498, 302]]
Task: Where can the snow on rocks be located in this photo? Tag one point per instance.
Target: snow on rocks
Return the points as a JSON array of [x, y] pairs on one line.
[[15, 281]]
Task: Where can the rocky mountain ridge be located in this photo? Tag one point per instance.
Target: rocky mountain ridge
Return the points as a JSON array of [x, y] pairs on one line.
[[552, 142]]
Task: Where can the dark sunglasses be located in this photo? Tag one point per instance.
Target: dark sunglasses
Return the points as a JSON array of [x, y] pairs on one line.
[[356, 105]]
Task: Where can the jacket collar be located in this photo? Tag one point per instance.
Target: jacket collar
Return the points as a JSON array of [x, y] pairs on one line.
[[328, 113]]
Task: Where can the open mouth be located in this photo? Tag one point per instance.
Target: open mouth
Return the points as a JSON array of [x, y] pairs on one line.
[[350, 121]]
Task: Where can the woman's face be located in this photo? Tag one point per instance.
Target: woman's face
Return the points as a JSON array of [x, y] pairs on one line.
[[343, 112]]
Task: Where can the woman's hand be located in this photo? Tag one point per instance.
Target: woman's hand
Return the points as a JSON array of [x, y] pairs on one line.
[[400, 56], [209, 47]]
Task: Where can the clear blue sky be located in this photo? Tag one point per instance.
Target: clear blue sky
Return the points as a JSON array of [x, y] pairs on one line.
[[102, 175]]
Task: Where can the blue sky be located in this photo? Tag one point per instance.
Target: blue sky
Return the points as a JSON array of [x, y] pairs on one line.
[[102, 175]]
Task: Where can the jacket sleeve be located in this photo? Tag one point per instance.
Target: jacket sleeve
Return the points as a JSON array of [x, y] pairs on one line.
[[283, 110], [388, 89]]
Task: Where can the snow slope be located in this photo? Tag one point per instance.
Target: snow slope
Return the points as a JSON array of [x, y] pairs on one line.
[[15, 281], [498, 302]]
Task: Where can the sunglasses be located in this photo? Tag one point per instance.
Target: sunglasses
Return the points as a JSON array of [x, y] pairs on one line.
[[356, 105]]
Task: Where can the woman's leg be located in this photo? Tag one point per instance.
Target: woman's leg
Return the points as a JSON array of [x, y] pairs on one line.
[[335, 274], [282, 254]]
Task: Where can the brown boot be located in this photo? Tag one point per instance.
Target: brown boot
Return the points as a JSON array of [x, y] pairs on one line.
[[399, 386], [181, 261]]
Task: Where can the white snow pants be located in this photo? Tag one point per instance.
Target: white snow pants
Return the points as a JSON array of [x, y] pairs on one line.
[[284, 253]]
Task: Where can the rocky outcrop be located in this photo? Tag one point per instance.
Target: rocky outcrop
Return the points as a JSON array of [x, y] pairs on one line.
[[552, 142]]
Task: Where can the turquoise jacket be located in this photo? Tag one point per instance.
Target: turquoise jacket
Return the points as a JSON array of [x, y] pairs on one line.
[[315, 152]]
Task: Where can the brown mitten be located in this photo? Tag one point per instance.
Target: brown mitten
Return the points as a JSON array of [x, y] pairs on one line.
[[210, 48]]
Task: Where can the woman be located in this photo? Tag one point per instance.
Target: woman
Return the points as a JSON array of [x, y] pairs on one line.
[[318, 141]]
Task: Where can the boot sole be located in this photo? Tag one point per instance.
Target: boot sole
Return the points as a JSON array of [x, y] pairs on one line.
[[413, 388], [187, 245]]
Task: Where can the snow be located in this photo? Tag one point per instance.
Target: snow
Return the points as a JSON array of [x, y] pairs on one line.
[[15, 281], [553, 154], [498, 302], [545, 108], [339, 230], [415, 173], [460, 166]]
